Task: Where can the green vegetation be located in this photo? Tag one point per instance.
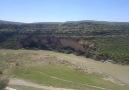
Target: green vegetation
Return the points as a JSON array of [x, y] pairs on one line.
[[60, 76], [41, 68], [117, 48], [3, 76], [111, 38]]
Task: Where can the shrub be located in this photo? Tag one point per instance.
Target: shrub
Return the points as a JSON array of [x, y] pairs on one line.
[[3, 83]]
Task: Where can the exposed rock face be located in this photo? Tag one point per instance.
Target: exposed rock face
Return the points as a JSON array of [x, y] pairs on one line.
[[72, 43], [52, 43], [80, 46]]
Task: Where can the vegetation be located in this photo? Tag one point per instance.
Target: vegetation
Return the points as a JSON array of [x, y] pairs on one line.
[[60, 76], [45, 68], [117, 48], [3, 83], [3, 76], [111, 38]]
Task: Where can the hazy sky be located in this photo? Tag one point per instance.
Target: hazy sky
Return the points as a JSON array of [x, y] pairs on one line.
[[64, 10]]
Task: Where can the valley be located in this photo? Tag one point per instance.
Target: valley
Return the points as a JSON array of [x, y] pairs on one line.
[[74, 55]]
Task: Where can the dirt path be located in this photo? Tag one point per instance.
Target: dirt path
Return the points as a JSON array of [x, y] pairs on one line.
[[30, 84]]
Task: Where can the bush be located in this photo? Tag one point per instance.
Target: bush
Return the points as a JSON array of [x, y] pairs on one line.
[[102, 57], [1, 72], [3, 83]]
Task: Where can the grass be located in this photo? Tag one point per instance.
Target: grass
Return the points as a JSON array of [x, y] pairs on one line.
[[60, 76], [52, 75]]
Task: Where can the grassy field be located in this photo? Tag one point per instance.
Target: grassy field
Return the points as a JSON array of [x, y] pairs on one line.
[[60, 76], [30, 67]]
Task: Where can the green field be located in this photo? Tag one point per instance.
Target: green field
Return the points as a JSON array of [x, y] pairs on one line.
[[32, 67], [60, 76]]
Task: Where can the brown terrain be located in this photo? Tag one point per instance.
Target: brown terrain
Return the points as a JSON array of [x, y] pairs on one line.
[[78, 45]]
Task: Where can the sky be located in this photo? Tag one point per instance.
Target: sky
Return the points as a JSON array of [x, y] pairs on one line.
[[64, 10]]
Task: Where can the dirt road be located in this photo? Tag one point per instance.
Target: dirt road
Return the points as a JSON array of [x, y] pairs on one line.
[[33, 85]]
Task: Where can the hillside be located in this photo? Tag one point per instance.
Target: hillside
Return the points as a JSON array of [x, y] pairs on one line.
[[48, 70], [99, 40]]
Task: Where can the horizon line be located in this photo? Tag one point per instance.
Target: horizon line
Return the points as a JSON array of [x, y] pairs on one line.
[[65, 21]]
